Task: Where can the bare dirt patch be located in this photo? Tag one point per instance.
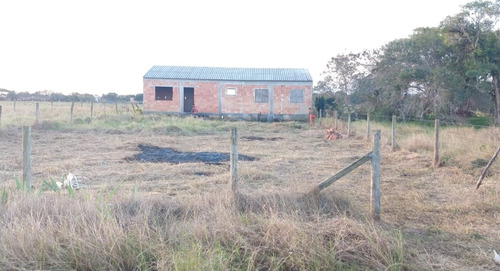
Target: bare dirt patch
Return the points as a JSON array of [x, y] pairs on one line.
[[259, 138], [154, 154]]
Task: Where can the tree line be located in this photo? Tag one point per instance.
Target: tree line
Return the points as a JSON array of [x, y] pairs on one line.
[[448, 71], [9, 95]]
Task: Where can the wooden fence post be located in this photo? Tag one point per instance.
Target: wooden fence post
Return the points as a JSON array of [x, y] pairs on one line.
[[91, 111], [375, 192], [37, 112], [234, 161], [393, 132], [368, 125], [335, 118], [27, 156], [14, 105], [71, 113], [436, 143], [116, 106], [104, 107], [0, 116], [348, 124]]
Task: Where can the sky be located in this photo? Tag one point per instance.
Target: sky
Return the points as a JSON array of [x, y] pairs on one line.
[[104, 46]]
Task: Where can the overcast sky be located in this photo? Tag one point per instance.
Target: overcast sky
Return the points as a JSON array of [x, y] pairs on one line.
[[104, 46]]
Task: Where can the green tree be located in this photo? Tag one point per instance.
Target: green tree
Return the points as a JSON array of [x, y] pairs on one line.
[[343, 73], [139, 97], [476, 50], [111, 96], [12, 95]]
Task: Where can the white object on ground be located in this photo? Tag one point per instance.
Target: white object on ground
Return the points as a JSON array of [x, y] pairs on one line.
[[496, 257], [70, 179]]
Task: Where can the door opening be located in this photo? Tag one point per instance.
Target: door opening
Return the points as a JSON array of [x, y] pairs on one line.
[[188, 99]]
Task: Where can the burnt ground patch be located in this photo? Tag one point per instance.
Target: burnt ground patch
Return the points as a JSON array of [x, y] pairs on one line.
[[154, 154], [258, 138]]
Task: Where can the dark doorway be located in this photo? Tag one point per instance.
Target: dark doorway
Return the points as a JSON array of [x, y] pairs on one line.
[[188, 99]]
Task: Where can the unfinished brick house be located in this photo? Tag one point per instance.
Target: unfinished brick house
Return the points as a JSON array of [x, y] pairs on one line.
[[246, 93]]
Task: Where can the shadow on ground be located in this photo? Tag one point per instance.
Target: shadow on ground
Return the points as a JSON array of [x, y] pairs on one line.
[[154, 154]]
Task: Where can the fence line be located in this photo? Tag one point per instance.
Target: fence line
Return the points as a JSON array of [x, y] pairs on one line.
[[46, 111], [439, 137]]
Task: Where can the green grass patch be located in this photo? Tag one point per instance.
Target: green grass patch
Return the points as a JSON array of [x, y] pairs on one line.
[[479, 122]]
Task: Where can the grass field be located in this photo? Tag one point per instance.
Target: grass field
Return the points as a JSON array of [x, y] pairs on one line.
[[136, 215]]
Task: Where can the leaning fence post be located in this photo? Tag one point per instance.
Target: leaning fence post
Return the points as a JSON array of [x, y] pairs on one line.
[[375, 192], [436, 143], [234, 161], [37, 112], [393, 132], [71, 113], [27, 156]]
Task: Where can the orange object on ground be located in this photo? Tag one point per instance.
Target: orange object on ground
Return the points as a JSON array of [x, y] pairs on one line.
[[312, 117]]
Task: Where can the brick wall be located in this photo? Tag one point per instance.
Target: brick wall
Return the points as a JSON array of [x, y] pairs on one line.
[[151, 104], [282, 104], [206, 98], [244, 100]]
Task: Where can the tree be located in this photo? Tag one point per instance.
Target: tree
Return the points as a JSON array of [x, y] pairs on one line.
[[324, 102], [12, 96], [111, 96], [343, 72], [476, 49], [408, 72], [139, 97]]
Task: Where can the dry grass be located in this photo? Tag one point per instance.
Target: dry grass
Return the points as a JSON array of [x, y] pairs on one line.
[[179, 217]]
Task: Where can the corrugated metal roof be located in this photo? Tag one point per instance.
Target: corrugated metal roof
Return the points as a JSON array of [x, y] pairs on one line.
[[228, 74]]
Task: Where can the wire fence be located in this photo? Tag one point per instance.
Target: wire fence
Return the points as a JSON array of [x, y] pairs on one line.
[[21, 113], [459, 144]]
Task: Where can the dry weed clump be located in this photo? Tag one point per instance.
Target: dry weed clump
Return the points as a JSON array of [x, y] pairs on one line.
[[56, 231], [418, 142]]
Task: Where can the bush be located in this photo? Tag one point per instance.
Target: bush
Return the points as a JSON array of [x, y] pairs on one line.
[[479, 121]]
